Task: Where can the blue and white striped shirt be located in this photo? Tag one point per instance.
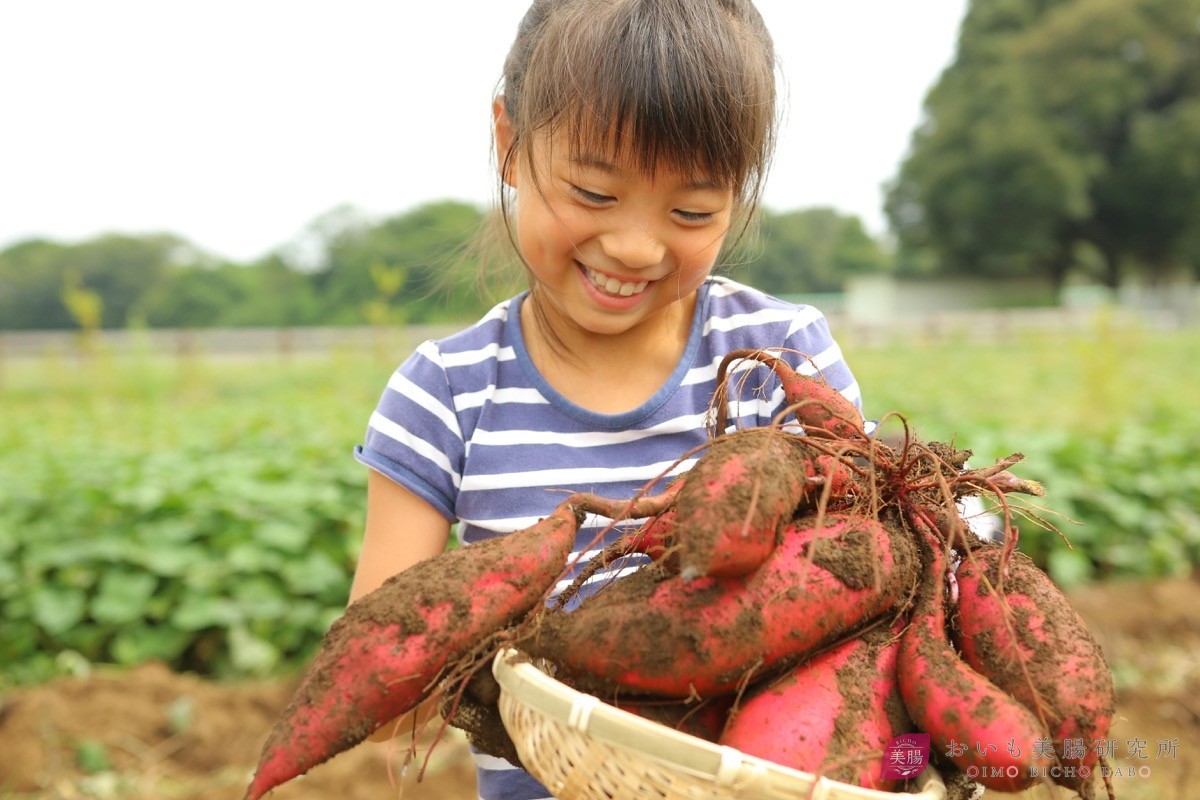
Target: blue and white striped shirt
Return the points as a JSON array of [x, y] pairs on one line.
[[468, 424]]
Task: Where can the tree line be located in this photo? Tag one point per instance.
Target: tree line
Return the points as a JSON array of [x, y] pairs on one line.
[[345, 269], [1061, 143]]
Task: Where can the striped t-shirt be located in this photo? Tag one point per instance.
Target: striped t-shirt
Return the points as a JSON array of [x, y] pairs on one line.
[[469, 425]]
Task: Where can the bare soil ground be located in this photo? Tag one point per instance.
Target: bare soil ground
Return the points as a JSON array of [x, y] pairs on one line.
[[149, 733]]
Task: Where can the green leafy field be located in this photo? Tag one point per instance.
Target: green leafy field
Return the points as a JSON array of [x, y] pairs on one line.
[[208, 512], [1108, 422]]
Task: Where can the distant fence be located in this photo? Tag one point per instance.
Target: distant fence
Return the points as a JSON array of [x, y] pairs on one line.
[[996, 325], [220, 342], [976, 326]]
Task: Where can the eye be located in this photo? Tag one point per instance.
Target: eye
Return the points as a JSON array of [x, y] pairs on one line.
[[591, 197], [694, 216]]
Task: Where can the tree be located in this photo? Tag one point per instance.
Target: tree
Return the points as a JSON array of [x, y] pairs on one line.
[[812, 250], [118, 269], [31, 283], [1060, 126], [426, 243], [194, 297]]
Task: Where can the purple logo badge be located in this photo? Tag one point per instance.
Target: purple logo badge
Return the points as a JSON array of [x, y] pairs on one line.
[[906, 756]]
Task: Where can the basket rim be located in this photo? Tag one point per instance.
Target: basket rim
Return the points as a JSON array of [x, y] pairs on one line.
[[593, 717]]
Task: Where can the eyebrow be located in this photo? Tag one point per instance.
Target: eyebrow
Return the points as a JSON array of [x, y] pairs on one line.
[[605, 166]]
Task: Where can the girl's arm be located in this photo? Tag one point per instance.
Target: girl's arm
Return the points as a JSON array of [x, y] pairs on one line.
[[401, 530]]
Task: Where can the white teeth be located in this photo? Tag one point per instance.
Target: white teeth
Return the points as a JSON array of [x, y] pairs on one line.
[[614, 286]]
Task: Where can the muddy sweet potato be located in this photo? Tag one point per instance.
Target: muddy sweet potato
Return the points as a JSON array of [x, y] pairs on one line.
[[658, 635], [382, 657], [818, 407], [738, 496], [1030, 642], [704, 719], [984, 731], [832, 715], [655, 538], [645, 505]]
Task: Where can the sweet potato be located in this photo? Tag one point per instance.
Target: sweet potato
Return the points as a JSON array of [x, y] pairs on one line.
[[382, 657], [818, 407], [655, 538], [704, 720], [1032, 643], [646, 505], [832, 715], [736, 499], [662, 636], [983, 730]]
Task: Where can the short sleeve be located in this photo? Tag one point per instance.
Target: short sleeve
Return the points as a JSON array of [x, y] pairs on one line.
[[414, 436], [810, 335], [810, 349]]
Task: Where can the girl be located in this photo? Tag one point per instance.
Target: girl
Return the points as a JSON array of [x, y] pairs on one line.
[[632, 138]]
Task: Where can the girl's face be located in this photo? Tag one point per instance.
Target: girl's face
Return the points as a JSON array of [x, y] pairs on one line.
[[611, 247]]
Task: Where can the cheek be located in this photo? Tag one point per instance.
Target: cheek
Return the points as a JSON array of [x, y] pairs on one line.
[[531, 238], [543, 232], [700, 256]]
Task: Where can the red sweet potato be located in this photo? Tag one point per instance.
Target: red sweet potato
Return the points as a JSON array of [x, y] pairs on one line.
[[832, 715], [736, 499], [1034, 645], [654, 635], [704, 720], [655, 538], [643, 506], [818, 407], [381, 658], [985, 731]]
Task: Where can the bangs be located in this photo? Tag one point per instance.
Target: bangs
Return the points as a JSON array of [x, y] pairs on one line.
[[666, 84]]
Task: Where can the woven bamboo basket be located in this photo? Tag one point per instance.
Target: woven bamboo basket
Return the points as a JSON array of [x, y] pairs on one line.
[[583, 749]]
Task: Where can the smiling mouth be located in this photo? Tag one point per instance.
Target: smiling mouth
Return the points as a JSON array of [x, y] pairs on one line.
[[612, 286]]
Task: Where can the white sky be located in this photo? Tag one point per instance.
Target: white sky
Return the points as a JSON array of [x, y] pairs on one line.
[[234, 123]]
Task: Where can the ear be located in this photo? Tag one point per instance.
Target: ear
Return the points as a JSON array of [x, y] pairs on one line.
[[504, 136]]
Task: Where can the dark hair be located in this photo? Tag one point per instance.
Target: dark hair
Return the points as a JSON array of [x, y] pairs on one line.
[[688, 84], [683, 84]]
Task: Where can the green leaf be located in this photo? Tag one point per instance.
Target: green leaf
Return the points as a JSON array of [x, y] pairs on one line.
[[58, 608], [313, 574], [141, 496], [288, 538], [262, 598], [54, 552], [167, 560], [1069, 568], [123, 596], [252, 557], [197, 612], [171, 529], [135, 645], [8, 577], [251, 654], [92, 756]]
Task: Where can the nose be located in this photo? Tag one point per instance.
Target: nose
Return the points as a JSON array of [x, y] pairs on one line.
[[634, 247]]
